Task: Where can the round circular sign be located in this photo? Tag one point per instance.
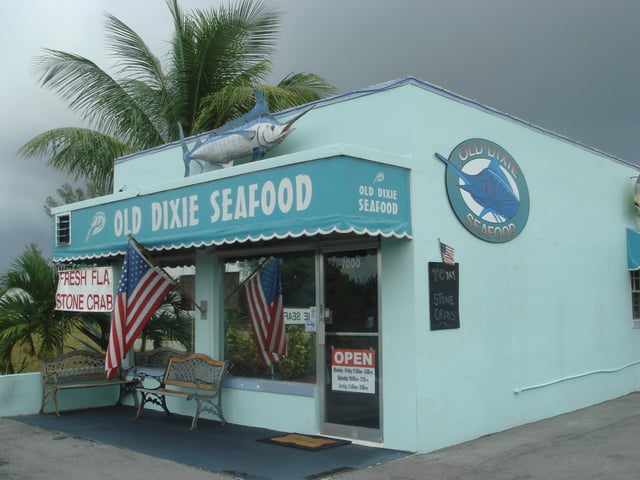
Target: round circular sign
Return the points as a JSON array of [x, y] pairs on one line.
[[487, 190]]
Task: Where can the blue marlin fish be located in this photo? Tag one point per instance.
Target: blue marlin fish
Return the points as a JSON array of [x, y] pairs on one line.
[[251, 134], [490, 189]]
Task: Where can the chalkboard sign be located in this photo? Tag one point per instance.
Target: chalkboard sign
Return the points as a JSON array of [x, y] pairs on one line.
[[443, 296]]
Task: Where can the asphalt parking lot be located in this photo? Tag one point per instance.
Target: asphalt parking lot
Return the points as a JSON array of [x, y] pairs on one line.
[[599, 442]]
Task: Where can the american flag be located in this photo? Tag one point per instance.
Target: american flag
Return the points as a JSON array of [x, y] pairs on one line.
[[263, 296], [141, 290], [447, 253]]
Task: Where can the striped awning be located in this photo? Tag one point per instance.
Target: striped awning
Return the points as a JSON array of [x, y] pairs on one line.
[[340, 194]]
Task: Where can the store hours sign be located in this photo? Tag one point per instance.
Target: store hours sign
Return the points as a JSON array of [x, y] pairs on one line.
[[353, 370]]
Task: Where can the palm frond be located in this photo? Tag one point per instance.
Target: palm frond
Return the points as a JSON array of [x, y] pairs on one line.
[[298, 88], [89, 90], [222, 106], [133, 56], [235, 100], [216, 57], [93, 336], [214, 48], [145, 83], [79, 152]]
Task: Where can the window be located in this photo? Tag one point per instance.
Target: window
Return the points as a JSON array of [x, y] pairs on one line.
[[297, 275], [635, 296], [172, 324], [63, 229]]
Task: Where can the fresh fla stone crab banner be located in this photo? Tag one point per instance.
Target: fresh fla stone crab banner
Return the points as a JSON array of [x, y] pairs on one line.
[[85, 290], [338, 194]]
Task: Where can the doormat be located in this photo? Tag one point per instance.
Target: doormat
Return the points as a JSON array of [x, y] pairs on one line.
[[312, 443]]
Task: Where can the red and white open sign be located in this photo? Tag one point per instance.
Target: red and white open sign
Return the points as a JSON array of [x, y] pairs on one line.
[[353, 370], [341, 357]]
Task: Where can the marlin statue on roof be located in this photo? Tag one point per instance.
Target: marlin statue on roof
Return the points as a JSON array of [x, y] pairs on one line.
[[251, 134]]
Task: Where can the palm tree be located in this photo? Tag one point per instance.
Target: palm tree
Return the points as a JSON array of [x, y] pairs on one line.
[[215, 60], [30, 323], [28, 318], [67, 193]]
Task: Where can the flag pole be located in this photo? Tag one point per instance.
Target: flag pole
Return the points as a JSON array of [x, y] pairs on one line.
[[148, 256], [241, 284]]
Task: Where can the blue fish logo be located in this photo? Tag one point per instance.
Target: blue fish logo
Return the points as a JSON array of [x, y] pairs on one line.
[[490, 188], [98, 222]]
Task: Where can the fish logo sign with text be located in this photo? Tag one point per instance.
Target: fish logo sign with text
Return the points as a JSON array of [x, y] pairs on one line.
[[487, 190]]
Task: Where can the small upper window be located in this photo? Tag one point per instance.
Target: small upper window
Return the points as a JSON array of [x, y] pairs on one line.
[[635, 297], [63, 229]]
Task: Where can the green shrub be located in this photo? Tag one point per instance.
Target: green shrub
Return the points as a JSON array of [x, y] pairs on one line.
[[298, 365]]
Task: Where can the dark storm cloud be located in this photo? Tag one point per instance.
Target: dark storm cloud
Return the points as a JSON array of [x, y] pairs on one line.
[[567, 66]]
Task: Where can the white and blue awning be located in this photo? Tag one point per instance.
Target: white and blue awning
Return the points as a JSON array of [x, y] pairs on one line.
[[332, 195]]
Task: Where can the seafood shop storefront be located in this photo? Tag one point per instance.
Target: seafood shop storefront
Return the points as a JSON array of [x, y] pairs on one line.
[[442, 274]]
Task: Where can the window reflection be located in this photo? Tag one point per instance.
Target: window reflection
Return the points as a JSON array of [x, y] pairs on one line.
[[297, 276]]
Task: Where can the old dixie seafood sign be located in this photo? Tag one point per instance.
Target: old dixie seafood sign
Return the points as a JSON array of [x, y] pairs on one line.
[[487, 190]]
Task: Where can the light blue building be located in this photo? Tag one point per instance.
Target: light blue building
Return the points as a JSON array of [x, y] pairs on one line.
[[391, 345]]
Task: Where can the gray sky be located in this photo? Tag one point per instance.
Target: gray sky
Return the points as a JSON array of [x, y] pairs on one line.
[[570, 66]]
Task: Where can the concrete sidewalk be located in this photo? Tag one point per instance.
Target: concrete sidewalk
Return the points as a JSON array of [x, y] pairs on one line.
[[596, 442], [599, 442]]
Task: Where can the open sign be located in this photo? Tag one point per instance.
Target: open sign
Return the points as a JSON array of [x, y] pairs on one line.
[[353, 370], [353, 358]]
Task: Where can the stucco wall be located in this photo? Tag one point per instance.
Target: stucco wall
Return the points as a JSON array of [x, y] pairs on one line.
[[21, 394], [552, 304]]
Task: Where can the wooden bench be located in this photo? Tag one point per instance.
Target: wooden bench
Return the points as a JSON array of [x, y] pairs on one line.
[[80, 369], [193, 377]]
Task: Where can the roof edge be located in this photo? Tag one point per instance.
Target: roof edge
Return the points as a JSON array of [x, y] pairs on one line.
[[401, 82]]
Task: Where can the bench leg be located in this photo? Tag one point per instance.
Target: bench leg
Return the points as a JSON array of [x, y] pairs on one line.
[[154, 398], [194, 422], [55, 401], [126, 389], [46, 398], [213, 405], [140, 405], [49, 394]]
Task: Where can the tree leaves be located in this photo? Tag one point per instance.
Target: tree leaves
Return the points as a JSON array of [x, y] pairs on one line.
[[216, 58]]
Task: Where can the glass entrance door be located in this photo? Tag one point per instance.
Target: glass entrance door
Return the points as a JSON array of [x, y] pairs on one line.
[[352, 360]]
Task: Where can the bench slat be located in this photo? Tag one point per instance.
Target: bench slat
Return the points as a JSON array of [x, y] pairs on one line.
[[67, 386], [171, 393]]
